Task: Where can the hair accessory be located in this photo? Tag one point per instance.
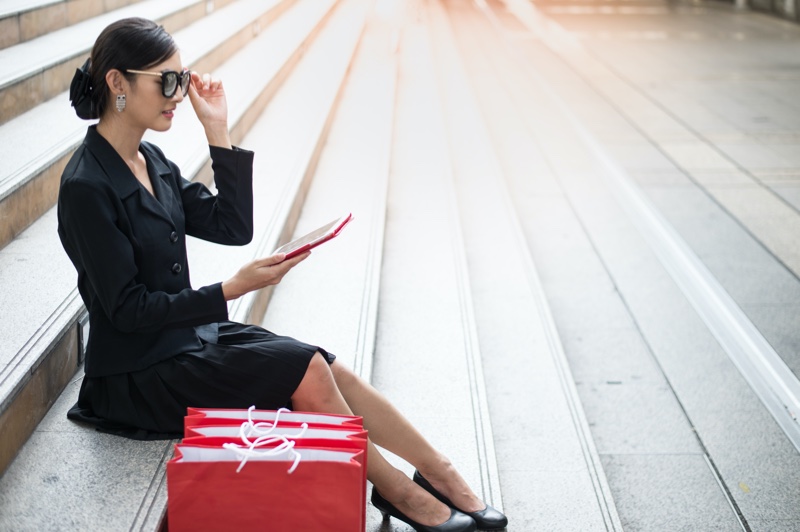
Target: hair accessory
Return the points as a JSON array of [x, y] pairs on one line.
[[120, 102], [80, 92]]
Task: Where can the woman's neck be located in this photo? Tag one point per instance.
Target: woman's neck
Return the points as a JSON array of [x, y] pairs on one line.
[[124, 139]]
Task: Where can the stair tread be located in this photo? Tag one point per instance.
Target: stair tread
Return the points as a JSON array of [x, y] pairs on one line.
[[35, 255], [522, 347], [342, 277], [427, 356], [35, 147], [281, 150], [13, 7], [25, 59]]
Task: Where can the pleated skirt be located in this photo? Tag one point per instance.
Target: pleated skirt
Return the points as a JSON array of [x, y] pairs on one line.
[[247, 365]]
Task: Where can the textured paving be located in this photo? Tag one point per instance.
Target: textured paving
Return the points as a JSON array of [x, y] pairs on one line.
[[691, 102]]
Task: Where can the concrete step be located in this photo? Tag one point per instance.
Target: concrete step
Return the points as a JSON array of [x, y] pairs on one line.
[[428, 361], [49, 308], [332, 298], [342, 278], [36, 155], [663, 398], [23, 20], [287, 137], [89, 476], [34, 71], [541, 432]]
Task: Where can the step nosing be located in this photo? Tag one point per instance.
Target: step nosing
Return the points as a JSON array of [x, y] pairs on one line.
[[27, 7], [81, 29], [65, 315]]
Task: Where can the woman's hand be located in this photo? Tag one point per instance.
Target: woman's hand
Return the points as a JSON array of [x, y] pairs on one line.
[[208, 100], [260, 273]]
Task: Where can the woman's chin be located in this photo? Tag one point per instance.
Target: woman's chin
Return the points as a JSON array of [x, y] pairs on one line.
[[162, 125]]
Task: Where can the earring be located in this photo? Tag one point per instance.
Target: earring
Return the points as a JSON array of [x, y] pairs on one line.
[[120, 102]]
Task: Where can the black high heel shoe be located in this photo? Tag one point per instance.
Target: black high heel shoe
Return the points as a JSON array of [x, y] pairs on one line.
[[458, 522], [486, 519]]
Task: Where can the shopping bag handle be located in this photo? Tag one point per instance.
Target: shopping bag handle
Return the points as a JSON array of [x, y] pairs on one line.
[[259, 428], [246, 452], [249, 449]]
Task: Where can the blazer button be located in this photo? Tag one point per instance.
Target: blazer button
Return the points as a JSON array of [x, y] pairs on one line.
[[173, 237], [176, 268]]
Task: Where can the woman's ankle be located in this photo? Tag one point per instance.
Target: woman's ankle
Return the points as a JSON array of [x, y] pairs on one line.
[[446, 479], [414, 502], [439, 468]]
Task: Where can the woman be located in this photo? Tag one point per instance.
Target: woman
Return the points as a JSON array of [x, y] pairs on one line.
[[157, 346]]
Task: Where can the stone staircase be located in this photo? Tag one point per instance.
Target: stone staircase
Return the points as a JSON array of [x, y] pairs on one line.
[[348, 109]]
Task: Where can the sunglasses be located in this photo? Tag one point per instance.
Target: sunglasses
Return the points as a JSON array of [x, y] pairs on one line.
[[170, 80]]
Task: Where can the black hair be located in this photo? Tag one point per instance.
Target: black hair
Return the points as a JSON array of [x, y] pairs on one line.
[[131, 43]]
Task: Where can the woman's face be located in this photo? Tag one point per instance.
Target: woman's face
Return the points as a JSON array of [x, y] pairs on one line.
[[146, 107]]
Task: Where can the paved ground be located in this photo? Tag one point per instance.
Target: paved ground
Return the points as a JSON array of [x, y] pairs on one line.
[[697, 106]]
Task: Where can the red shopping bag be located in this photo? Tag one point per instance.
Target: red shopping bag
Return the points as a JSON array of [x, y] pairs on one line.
[[325, 491], [197, 417], [272, 443], [310, 440], [292, 432]]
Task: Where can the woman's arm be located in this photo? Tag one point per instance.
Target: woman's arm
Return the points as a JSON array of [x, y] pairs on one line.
[[226, 218], [92, 225], [208, 100]]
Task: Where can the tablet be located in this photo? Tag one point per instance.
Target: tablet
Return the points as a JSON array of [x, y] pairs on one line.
[[314, 238]]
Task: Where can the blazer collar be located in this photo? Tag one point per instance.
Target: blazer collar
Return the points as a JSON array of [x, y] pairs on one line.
[[123, 180], [117, 172], [160, 175]]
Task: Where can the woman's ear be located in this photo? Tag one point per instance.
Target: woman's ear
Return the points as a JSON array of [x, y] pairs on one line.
[[116, 81]]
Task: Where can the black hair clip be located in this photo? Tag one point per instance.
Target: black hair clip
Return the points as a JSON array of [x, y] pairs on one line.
[[80, 92]]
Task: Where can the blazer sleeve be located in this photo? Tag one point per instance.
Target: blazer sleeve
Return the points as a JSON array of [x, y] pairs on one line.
[[225, 217], [90, 213]]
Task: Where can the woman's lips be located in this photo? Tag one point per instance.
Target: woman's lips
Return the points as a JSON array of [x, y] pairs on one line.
[[169, 114]]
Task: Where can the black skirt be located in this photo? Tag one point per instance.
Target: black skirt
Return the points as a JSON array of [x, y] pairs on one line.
[[246, 366]]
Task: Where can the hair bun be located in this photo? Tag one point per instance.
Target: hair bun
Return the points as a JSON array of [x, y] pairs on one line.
[[80, 92]]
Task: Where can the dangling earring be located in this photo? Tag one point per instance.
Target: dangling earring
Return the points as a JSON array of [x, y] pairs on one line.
[[120, 102]]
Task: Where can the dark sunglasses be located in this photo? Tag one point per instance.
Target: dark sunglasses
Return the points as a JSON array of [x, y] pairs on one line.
[[170, 80]]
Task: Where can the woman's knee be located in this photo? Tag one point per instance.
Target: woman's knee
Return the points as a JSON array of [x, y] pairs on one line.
[[345, 377], [317, 387]]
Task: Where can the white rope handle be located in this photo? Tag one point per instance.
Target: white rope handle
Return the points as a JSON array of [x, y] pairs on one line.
[[247, 452], [274, 424], [263, 431], [245, 434], [264, 428]]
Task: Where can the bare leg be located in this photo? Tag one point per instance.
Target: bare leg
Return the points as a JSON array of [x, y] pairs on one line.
[[390, 429], [318, 393]]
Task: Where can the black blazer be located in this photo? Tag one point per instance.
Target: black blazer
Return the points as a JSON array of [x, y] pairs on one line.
[[130, 249]]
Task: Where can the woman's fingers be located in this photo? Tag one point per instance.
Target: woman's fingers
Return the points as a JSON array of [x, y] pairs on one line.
[[260, 273], [210, 105], [272, 259], [206, 85], [270, 270], [275, 267], [280, 258]]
